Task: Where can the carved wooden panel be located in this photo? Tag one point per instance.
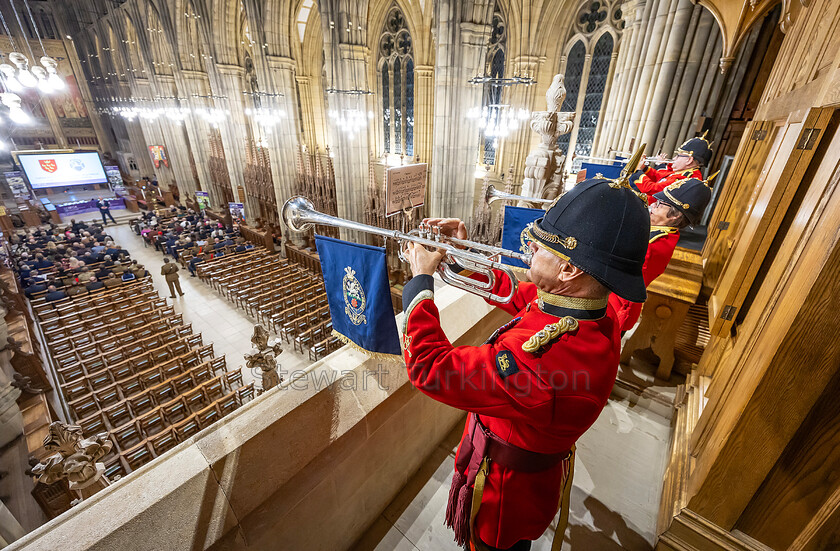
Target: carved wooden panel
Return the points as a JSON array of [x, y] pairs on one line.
[[764, 218]]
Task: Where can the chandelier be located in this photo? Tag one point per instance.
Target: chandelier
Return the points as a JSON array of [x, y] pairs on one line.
[[25, 75], [350, 121], [498, 120]]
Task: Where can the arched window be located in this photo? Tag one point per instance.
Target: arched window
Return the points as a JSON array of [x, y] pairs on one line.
[[598, 72], [47, 27], [396, 68], [574, 70], [495, 67]]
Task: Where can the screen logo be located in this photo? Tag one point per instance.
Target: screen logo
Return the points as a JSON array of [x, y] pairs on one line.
[[48, 165], [76, 164]]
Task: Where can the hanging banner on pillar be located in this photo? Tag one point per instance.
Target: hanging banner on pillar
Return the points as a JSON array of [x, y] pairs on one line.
[[158, 153], [405, 187], [203, 199], [237, 211]]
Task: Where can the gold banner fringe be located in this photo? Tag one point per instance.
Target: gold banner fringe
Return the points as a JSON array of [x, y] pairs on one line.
[[382, 356]]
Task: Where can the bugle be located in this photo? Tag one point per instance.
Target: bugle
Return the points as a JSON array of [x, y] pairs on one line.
[[300, 215], [492, 194]]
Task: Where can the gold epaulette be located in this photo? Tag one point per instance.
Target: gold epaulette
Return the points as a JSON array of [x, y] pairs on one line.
[[548, 333]]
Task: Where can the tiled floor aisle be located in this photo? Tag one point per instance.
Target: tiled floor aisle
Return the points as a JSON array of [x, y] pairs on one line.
[[615, 498], [210, 313]]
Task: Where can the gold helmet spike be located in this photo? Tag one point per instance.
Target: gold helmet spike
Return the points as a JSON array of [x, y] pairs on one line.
[[710, 178], [703, 137], [623, 179]]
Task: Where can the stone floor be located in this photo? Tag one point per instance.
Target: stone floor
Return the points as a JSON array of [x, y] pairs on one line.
[[209, 312], [615, 498]]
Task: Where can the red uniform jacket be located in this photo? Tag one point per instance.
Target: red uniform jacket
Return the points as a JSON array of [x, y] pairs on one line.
[[652, 181], [660, 249], [540, 402]]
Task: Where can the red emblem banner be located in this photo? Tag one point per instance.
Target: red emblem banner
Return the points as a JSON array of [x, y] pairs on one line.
[[48, 165]]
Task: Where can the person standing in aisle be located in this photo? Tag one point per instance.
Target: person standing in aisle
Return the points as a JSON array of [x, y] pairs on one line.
[[170, 271]]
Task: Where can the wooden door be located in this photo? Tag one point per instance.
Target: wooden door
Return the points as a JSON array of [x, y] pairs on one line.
[[748, 170], [758, 227]]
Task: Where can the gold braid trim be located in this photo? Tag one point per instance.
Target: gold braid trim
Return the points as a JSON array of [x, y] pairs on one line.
[[567, 242], [676, 201], [381, 356], [550, 332], [576, 303]]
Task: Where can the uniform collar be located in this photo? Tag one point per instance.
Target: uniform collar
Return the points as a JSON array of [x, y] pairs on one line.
[[580, 308], [660, 231]]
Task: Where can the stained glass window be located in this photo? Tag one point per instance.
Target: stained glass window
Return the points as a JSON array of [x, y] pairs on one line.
[[574, 70], [588, 120], [396, 66]]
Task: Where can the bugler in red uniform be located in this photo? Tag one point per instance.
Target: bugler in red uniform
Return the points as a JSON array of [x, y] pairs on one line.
[[663, 241], [652, 181], [687, 200], [542, 379]]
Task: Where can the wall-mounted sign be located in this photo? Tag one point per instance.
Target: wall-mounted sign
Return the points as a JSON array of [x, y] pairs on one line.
[[405, 187]]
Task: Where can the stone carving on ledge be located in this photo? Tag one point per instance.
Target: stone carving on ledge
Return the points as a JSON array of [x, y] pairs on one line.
[[264, 356], [76, 458], [544, 173]]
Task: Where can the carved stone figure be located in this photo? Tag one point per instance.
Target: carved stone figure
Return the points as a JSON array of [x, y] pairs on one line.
[[544, 172], [264, 356], [75, 458]]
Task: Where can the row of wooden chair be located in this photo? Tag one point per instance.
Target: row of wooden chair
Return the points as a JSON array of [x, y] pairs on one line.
[[221, 265], [297, 310], [299, 325], [132, 288], [314, 334], [142, 340], [294, 294], [260, 268], [113, 325], [248, 297], [152, 382], [324, 347], [73, 314], [121, 464]]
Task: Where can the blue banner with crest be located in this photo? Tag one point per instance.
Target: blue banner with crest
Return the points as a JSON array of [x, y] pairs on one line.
[[513, 231], [359, 296]]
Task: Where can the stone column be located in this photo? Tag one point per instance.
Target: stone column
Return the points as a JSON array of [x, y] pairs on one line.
[[666, 70], [285, 135], [596, 149], [424, 110], [307, 113], [195, 82], [654, 39], [645, 14], [233, 128], [347, 57], [684, 88], [459, 49]]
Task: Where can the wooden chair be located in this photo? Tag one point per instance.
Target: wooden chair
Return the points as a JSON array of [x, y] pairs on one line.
[[114, 469], [118, 415], [187, 428], [163, 393], [183, 383], [151, 377], [75, 390], [228, 404], [131, 386], [138, 456], [195, 399], [94, 424], [127, 436], [245, 393], [84, 406], [206, 352], [202, 374], [108, 396], [218, 365], [213, 389], [142, 403], [163, 442], [152, 423], [208, 416], [175, 410], [233, 379]]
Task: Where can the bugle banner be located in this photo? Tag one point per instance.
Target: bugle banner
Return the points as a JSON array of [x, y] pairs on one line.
[[359, 296], [513, 231]]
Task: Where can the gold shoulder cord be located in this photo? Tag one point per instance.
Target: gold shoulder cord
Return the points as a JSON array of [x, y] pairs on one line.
[[550, 332]]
